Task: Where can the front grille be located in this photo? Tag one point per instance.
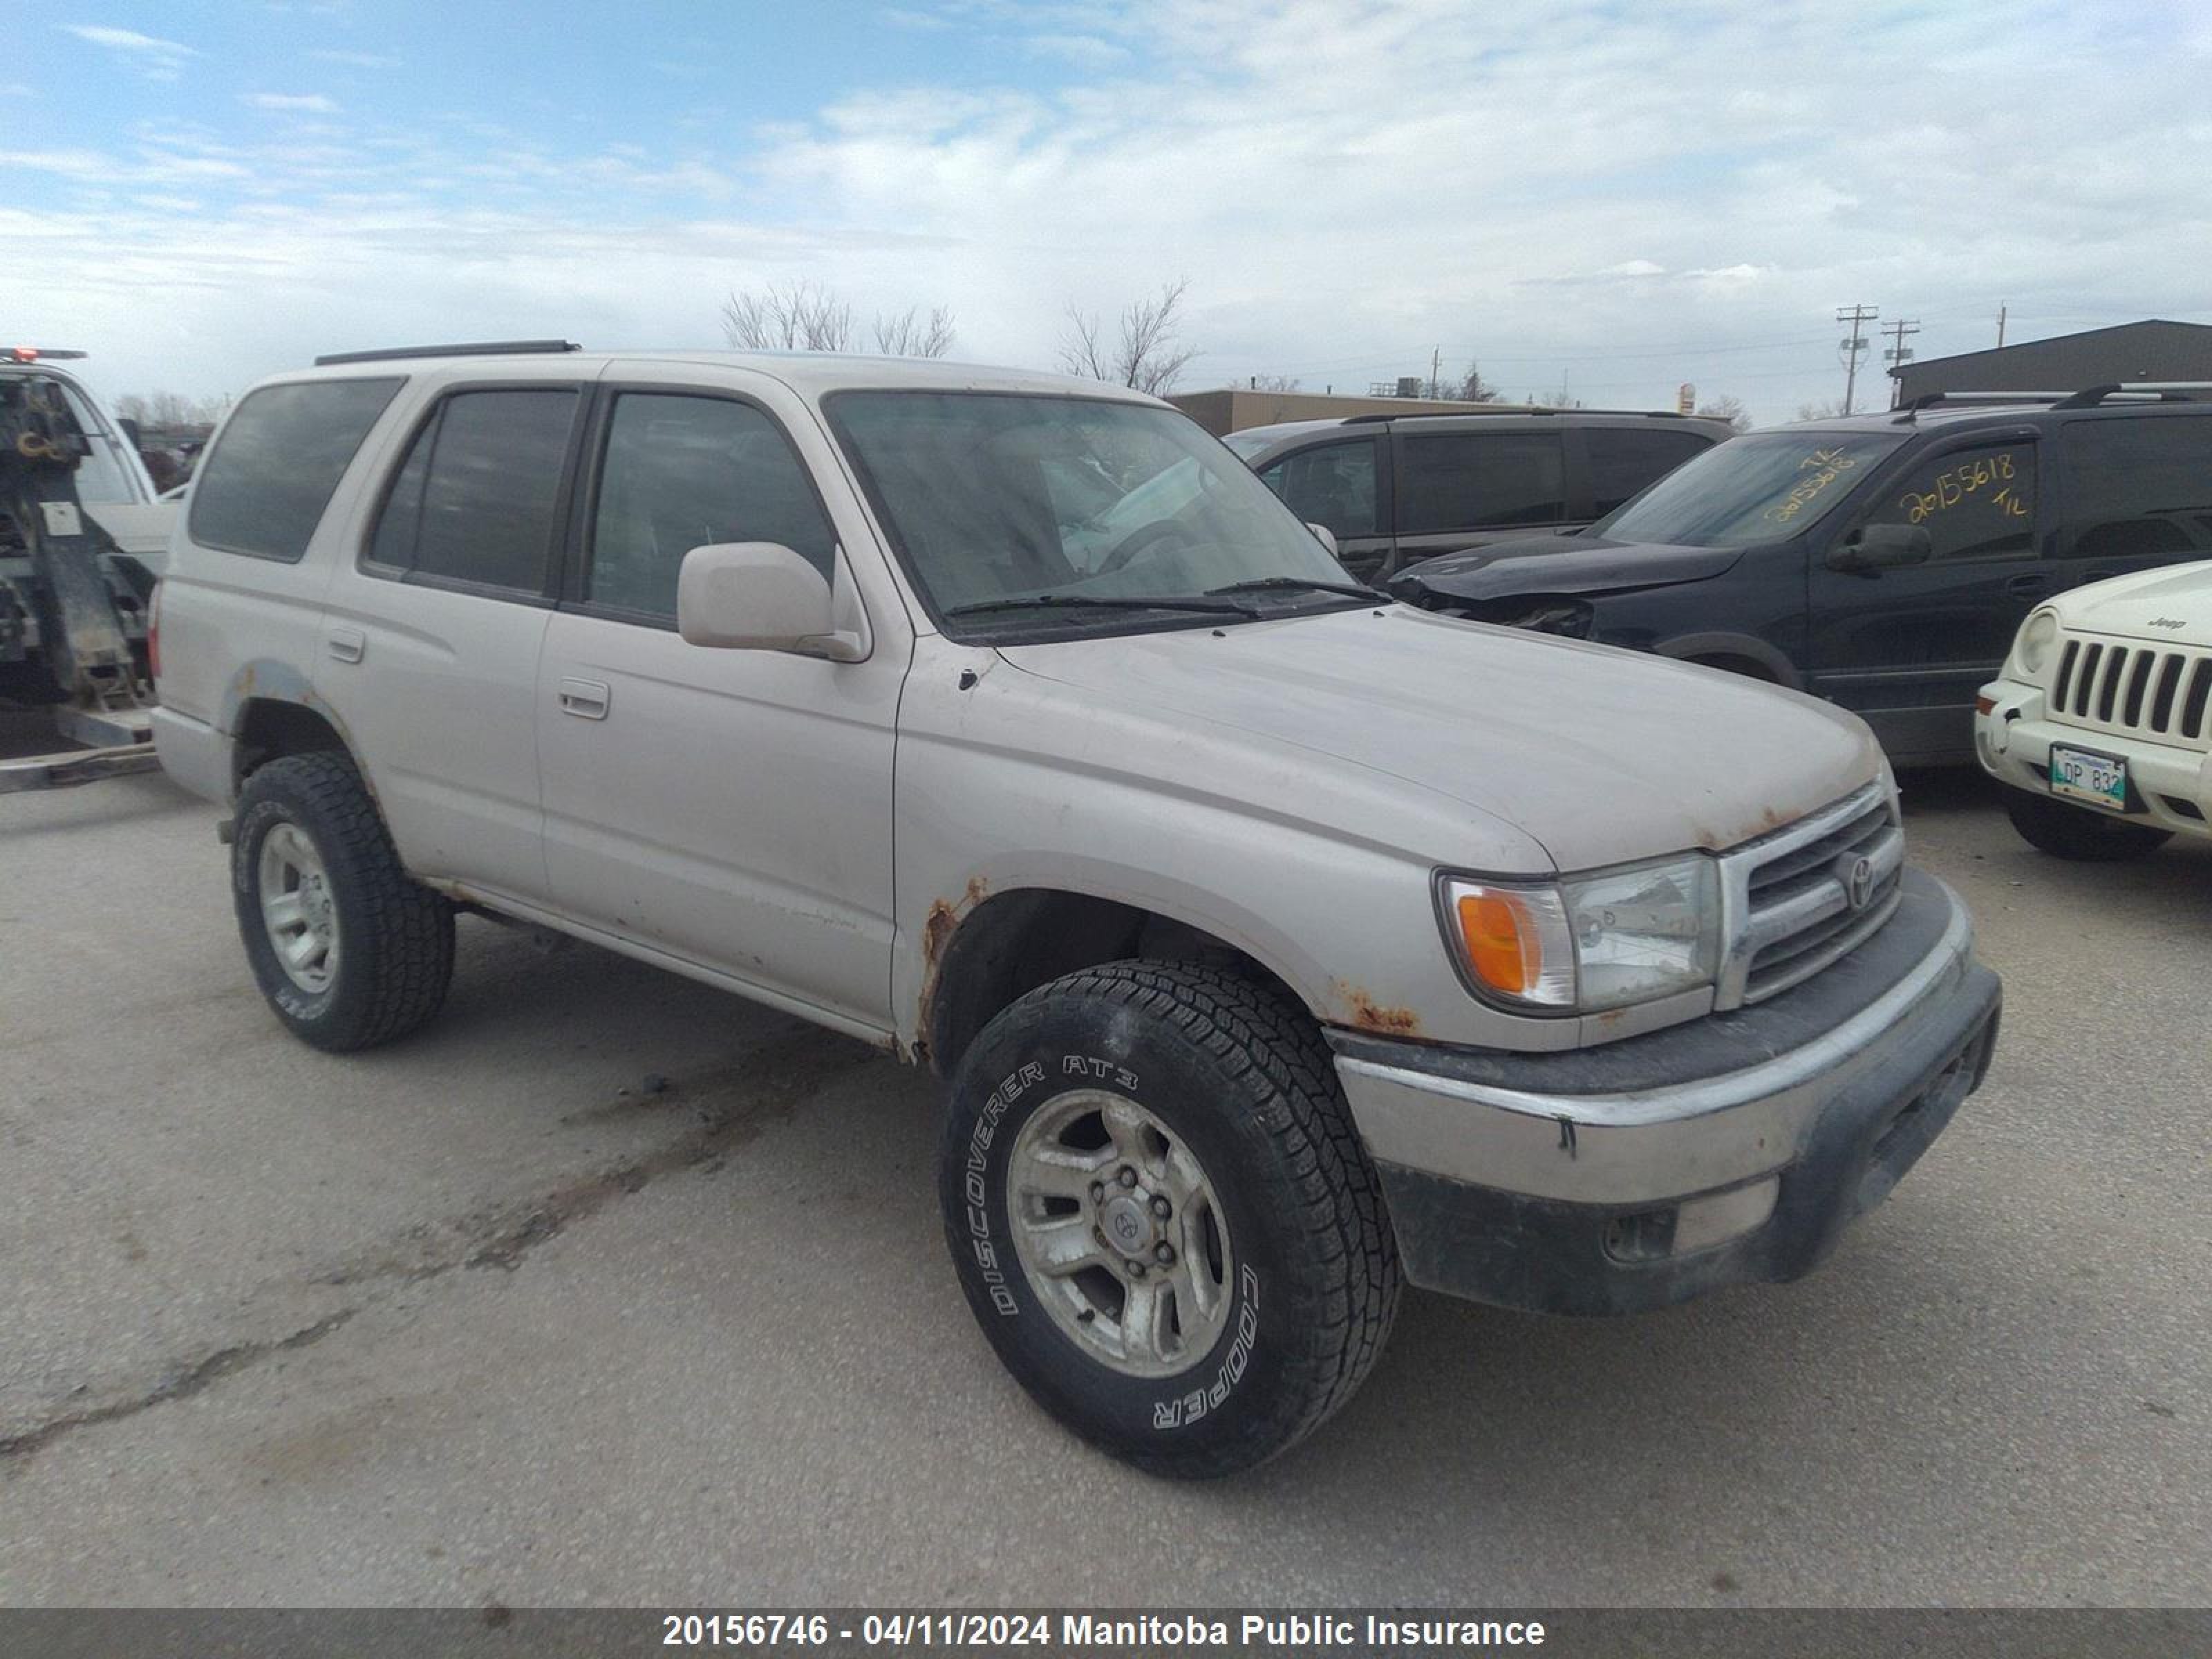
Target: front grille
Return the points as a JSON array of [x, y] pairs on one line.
[[2147, 690], [1796, 900]]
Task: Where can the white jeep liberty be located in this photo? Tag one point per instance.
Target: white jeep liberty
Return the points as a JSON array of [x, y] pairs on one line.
[[2101, 719], [1280, 942]]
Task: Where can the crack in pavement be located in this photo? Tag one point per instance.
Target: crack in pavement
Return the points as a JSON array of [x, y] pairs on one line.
[[180, 1385], [762, 1087]]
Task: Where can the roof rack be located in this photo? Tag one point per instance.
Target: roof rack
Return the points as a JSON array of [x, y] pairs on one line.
[[473, 349], [2162, 391], [1509, 409]]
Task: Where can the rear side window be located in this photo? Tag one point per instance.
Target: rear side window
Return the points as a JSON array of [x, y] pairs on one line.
[[1624, 460], [684, 472], [1471, 480], [2139, 488], [264, 490], [1330, 484], [474, 500]]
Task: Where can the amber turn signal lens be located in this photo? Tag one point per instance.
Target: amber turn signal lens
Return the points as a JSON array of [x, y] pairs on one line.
[[1984, 705], [1501, 945]]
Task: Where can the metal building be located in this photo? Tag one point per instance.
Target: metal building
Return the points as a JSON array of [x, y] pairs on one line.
[[2151, 350]]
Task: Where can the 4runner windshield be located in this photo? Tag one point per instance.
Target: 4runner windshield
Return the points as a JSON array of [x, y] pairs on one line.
[[1759, 488], [1014, 511]]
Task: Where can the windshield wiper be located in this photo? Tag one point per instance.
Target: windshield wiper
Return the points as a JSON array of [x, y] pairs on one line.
[[1116, 602], [1287, 584]]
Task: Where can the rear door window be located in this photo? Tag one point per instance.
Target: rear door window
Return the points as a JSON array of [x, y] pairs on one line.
[[1623, 460], [1479, 480], [476, 499], [1330, 484], [683, 471], [2138, 489], [1976, 503], [280, 458]]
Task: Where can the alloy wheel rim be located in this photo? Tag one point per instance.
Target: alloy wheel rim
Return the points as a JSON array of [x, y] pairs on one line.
[[298, 911], [1119, 1232]]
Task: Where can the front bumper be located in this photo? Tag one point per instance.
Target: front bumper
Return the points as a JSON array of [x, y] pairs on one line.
[[1734, 1148], [2169, 787]]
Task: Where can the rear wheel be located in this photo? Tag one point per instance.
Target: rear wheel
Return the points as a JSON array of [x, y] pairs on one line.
[[1163, 1217], [2081, 832], [348, 948]]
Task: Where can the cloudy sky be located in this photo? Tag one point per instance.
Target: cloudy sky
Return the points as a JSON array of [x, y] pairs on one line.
[[1610, 198]]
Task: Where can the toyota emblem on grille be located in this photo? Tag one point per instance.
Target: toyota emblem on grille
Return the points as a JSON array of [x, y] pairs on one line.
[[1857, 876]]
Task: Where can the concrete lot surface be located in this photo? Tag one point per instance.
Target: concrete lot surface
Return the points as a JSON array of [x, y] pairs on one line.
[[484, 1317]]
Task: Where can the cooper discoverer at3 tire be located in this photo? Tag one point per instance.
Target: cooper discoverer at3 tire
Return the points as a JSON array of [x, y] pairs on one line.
[[1163, 1217]]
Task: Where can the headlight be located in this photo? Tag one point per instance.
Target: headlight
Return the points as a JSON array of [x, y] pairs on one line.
[[1591, 942], [2033, 649]]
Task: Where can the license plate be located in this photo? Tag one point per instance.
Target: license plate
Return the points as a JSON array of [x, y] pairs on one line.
[[2100, 780]]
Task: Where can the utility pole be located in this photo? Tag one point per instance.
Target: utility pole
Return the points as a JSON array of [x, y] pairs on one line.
[[1851, 344], [2001, 316], [1437, 373], [1900, 353]]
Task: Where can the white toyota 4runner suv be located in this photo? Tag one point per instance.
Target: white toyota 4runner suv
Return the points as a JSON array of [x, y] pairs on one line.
[[1281, 943], [2101, 720]]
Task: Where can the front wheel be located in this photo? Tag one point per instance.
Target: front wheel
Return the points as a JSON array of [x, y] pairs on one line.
[[1163, 1217], [2080, 833]]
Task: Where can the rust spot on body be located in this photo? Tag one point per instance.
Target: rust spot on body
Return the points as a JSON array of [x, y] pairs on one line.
[[936, 930], [1370, 1015]]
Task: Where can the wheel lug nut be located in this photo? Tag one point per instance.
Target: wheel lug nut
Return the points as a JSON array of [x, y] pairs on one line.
[[1136, 1270], [1098, 1233], [1164, 1254], [1127, 1177], [1097, 1191], [1161, 1209]]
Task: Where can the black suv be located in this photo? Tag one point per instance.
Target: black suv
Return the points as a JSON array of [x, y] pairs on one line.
[[1396, 488], [1882, 562]]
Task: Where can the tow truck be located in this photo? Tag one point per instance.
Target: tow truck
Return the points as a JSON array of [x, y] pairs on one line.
[[83, 540]]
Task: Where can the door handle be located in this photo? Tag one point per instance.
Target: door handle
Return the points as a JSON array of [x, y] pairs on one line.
[[2029, 588], [347, 644], [587, 700]]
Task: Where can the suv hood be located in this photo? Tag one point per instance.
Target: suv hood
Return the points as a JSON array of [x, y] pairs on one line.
[[1559, 564], [1599, 757], [2174, 605]]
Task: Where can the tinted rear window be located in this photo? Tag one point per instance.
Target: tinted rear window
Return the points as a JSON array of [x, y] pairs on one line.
[[1467, 480], [2139, 488], [264, 490], [1623, 461], [474, 501]]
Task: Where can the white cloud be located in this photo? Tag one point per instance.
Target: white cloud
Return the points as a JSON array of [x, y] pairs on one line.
[[155, 58], [306, 103], [1622, 198]]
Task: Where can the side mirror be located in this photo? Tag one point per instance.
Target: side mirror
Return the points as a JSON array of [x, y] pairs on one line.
[[1324, 535], [1881, 547], [761, 596]]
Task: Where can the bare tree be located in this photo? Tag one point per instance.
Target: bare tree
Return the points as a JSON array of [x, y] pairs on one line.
[[1728, 409], [167, 409], [1472, 388], [1562, 398], [1148, 355], [801, 318], [1819, 412], [907, 335], [1272, 383]]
